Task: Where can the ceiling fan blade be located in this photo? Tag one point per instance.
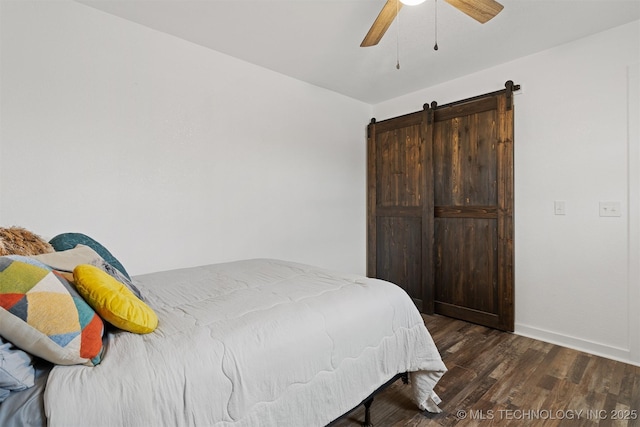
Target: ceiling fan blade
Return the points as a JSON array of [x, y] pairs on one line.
[[480, 10], [382, 22]]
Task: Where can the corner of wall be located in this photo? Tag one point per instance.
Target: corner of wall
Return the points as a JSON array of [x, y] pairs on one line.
[[633, 82]]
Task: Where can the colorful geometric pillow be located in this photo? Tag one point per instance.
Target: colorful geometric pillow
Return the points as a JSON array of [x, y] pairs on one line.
[[18, 241], [41, 313], [113, 301], [63, 242]]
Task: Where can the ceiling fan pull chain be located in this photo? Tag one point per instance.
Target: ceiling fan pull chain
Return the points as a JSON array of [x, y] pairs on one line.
[[435, 47], [397, 35]]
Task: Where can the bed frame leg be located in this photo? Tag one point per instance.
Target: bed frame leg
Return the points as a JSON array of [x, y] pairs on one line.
[[367, 413], [405, 378]]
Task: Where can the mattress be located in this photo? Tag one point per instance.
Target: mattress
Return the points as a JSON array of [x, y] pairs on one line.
[[251, 343]]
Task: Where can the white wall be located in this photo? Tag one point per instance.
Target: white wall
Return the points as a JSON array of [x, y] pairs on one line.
[[171, 154], [576, 140]]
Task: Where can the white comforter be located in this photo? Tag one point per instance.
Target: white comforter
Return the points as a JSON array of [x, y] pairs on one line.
[[251, 343]]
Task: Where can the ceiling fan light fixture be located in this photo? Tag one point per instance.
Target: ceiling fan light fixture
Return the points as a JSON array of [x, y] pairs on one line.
[[412, 2]]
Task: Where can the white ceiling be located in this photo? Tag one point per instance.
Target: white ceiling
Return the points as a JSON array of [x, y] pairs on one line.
[[318, 41]]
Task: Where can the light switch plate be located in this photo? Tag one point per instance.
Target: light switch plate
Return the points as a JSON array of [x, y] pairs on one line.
[[559, 207], [610, 209]]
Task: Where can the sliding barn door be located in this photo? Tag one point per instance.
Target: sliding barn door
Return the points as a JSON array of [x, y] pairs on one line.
[[440, 207], [473, 211], [400, 205]]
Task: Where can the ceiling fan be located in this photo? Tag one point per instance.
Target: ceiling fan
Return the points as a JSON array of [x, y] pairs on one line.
[[480, 10]]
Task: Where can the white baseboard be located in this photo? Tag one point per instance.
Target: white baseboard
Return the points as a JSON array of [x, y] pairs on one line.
[[598, 349]]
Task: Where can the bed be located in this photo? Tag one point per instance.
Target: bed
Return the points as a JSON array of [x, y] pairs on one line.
[[259, 342]]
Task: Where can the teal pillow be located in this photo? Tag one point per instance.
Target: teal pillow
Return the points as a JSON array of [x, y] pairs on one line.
[[66, 241]]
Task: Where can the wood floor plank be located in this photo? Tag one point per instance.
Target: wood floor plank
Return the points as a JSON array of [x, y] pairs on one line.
[[578, 367], [500, 379]]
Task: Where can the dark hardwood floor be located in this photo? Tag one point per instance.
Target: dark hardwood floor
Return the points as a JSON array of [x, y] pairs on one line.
[[501, 379]]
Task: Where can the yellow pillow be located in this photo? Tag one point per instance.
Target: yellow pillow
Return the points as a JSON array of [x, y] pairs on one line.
[[113, 301]]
